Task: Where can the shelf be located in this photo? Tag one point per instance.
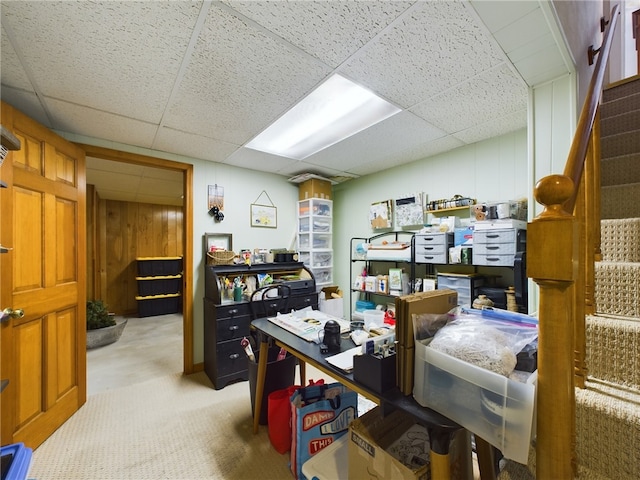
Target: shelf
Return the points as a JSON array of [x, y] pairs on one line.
[[448, 210], [9, 140]]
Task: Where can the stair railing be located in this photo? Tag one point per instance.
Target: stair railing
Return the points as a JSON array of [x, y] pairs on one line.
[[562, 246]]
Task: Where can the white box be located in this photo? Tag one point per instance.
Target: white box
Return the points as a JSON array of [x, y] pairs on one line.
[[497, 409], [330, 463]]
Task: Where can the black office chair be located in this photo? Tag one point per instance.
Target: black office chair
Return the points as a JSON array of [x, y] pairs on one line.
[[270, 300]]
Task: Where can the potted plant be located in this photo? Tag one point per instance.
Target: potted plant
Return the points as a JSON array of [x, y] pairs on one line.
[[102, 328]]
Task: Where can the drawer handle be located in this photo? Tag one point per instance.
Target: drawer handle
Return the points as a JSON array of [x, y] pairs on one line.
[[489, 247], [233, 356], [493, 259], [429, 248], [233, 327], [489, 235], [233, 311]]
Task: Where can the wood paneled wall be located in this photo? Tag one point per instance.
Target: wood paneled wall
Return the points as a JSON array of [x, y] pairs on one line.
[[125, 231]]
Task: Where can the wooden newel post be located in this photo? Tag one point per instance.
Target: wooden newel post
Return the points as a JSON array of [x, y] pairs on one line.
[[552, 258]]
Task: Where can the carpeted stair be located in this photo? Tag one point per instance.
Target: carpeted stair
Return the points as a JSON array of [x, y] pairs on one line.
[[608, 409]]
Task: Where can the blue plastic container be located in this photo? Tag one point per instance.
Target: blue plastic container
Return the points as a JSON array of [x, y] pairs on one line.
[[16, 460]]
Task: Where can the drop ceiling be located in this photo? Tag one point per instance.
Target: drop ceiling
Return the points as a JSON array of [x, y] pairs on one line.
[[201, 79]]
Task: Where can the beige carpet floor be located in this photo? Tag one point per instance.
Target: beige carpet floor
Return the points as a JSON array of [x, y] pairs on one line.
[[171, 427]]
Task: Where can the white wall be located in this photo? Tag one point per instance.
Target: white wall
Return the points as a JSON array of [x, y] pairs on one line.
[[241, 188], [492, 170]]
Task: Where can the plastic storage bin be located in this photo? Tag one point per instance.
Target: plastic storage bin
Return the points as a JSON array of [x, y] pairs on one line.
[[497, 409], [16, 461]]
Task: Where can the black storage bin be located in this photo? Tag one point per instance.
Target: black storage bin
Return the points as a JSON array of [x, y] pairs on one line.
[[152, 266], [375, 373], [159, 285], [280, 374], [151, 306]]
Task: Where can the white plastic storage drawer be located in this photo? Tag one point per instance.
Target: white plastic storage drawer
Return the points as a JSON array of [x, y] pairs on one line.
[[433, 248], [321, 259], [493, 259], [494, 249], [435, 257], [507, 235], [495, 408]]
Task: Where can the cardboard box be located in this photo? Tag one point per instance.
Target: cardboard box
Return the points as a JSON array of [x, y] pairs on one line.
[[329, 305], [434, 301], [315, 188], [396, 447]]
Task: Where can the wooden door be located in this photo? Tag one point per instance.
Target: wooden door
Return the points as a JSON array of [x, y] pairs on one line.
[[43, 221]]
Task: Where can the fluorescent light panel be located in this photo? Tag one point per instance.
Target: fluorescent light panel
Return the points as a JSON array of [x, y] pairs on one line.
[[336, 110]]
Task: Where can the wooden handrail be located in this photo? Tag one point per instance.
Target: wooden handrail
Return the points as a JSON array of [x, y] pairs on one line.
[[575, 161], [560, 244]]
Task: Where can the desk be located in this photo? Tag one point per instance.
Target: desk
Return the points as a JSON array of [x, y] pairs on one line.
[[440, 428]]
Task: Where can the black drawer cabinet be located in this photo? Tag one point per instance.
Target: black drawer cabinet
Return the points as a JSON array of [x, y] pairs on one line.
[[226, 322]]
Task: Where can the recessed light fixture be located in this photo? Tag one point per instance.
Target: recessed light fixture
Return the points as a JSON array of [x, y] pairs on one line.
[[335, 110]]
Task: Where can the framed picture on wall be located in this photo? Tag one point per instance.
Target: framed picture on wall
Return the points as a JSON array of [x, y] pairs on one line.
[[217, 241], [264, 216]]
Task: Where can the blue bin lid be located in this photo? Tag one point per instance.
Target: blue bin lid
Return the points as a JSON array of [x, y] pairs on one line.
[[20, 456]]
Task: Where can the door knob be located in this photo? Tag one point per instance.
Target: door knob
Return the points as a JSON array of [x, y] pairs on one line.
[[8, 313]]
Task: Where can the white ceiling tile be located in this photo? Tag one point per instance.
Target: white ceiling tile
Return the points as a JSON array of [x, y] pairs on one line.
[[112, 48], [115, 181], [200, 79], [543, 62], [87, 121], [231, 89], [531, 48], [491, 95], [437, 45], [13, 75], [27, 102], [523, 31], [99, 166], [193, 145], [379, 141], [508, 123], [499, 14], [248, 158], [330, 31]]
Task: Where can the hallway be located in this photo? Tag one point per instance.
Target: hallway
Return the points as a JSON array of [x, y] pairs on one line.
[[149, 347]]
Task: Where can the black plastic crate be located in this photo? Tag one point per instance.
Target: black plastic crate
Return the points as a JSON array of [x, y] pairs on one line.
[[159, 285], [151, 266], [158, 305]]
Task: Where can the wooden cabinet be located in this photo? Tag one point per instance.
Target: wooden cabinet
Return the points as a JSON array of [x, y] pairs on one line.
[[226, 321]]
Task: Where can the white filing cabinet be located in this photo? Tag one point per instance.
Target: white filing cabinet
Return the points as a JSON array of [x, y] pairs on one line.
[[433, 247], [497, 247]]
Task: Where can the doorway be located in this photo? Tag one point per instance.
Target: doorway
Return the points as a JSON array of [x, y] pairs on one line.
[[187, 234]]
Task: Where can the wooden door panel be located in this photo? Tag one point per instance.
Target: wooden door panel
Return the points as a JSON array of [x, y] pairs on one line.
[[28, 347], [28, 240], [43, 353], [66, 248]]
